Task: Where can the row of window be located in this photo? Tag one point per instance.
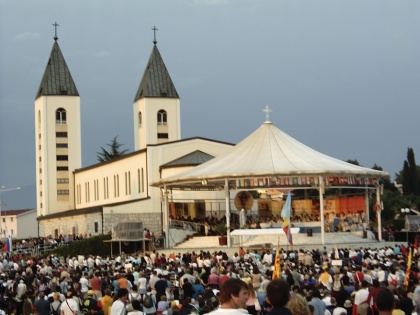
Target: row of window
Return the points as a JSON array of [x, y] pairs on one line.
[[75, 230], [116, 187], [162, 117], [61, 117]]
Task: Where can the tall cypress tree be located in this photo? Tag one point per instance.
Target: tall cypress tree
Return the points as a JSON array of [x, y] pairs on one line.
[[406, 183], [413, 171]]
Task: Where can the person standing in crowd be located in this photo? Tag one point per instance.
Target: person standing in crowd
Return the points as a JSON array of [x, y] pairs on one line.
[[232, 296], [317, 303], [106, 301], [84, 285], [188, 289], [160, 286], [118, 307], [278, 294], [252, 304], [42, 305], [298, 305], [361, 296], [385, 302], [136, 308], [142, 284], [96, 285], [69, 307]]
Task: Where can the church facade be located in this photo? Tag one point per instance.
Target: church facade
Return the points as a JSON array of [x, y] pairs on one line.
[[72, 199]]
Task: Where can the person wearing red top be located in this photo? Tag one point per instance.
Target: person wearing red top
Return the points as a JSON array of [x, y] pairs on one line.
[[358, 275], [214, 280], [241, 252], [224, 277], [96, 285]]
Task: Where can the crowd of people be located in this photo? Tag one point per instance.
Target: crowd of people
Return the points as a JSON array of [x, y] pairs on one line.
[[338, 281]]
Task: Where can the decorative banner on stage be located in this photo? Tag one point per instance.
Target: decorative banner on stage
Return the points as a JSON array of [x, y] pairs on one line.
[[304, 181]]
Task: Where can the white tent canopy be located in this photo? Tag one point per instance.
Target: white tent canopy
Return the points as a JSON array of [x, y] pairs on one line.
[[269, 151], [269, 158]]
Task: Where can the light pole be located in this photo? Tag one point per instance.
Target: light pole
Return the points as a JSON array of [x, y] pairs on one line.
[[2, 190], [406, 211]]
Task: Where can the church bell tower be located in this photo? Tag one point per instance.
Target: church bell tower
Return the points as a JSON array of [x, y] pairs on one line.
[[156, 105], [57, 135]]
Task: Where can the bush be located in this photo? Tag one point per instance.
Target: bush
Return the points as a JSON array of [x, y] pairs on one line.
[[88, 246]]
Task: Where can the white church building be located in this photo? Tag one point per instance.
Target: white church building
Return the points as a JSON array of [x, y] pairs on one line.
[[76, 199]]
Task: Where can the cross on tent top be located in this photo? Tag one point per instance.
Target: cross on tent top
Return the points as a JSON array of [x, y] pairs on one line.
[[267, 111]]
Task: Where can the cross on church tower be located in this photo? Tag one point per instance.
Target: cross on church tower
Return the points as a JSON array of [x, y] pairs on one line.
[[267, 111], [154, 34], [55, 26]]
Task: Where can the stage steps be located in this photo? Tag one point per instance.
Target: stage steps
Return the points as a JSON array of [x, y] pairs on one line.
[[299, 239]]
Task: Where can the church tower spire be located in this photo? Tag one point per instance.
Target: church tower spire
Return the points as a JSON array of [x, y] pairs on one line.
[[58, 135], [156, 104]]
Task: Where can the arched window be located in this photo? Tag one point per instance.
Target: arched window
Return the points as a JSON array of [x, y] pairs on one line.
[[140, 119], [162, 117], [60, 116]]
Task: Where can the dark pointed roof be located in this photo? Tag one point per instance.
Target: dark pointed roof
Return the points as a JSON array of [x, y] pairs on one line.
[[156, 81], [191, 159], [57, 79]]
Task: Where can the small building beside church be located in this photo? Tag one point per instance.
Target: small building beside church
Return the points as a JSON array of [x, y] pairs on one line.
[[19, 224]]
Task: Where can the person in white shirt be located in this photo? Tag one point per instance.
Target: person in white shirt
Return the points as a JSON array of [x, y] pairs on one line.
[[84, 285], [118, 307], [69, 306], [232, 296], [380, 275], [361, 295]]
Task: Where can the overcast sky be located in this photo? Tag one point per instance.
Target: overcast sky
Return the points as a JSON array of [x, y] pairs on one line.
[[343, 77]]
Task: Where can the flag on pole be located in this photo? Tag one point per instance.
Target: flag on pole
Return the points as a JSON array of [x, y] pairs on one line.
[[277, 270], [8, 245], [407, 273], [285, 214]]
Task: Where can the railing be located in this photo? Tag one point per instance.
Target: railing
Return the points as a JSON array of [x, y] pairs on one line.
[[38, 249], [185, 225]]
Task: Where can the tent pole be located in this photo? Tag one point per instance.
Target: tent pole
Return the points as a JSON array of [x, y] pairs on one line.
[[321, 207], [165, 216], [227, 212], [366, 207], [378, 212]]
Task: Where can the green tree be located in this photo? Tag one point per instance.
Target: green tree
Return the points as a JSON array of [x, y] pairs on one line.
[[408, 176], [114, 152], [388, 185], [355, 162]]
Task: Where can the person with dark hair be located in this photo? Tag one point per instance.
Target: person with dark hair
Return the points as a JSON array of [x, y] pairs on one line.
[[318, 304], [385, 302], [118, 307], [361, 297], [406, 304], [161, 285], [106, 301], [42, 305], [278, 294], [233, 296], [188, 289], [137, 309], [69, 306]]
